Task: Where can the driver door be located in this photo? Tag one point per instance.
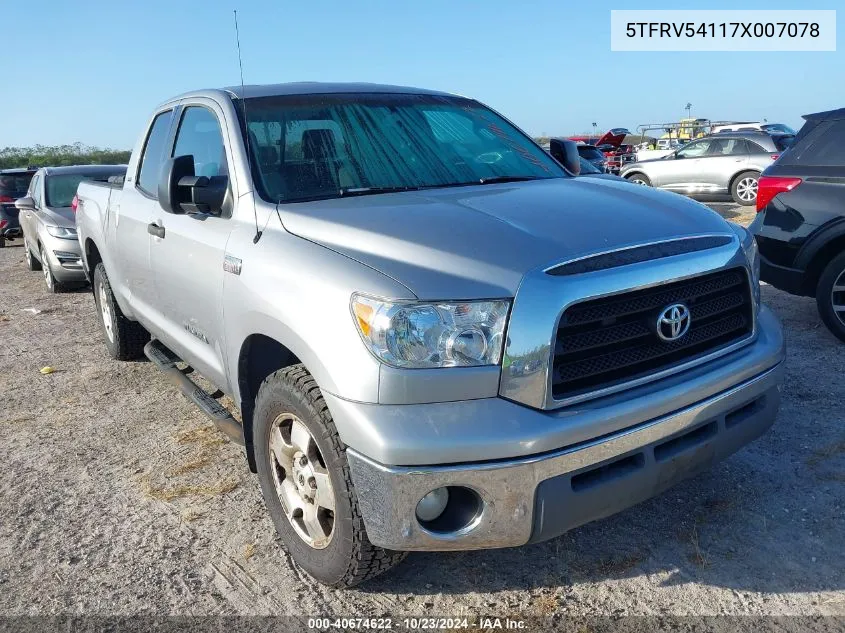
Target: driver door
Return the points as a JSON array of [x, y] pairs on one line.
[[187, 250], [677, 170]]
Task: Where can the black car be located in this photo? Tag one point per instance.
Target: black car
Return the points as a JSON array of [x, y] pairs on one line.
[[13, 185], [800, 223], [594, 155]]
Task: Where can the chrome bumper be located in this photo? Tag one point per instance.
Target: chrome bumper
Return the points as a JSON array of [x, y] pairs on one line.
[[538, 497]]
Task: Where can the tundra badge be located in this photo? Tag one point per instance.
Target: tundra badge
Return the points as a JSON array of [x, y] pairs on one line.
[[232, 265]]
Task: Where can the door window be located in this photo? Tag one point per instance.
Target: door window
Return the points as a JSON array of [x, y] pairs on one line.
[[153, 156], [693, 150], [199, 136], [726, 147], [35, 190]]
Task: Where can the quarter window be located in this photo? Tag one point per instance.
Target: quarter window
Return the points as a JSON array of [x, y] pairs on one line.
[[824, 146], [151, 159], [199, 136]]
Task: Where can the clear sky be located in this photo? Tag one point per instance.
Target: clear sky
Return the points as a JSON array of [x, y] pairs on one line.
[[91, 70]]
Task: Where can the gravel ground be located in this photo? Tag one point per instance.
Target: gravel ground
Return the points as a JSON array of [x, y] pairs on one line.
[[117, 497]]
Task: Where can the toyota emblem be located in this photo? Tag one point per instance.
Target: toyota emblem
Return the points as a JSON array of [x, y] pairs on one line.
[[673, 322]]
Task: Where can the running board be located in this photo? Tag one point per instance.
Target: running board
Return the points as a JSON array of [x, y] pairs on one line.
[[166, 360]]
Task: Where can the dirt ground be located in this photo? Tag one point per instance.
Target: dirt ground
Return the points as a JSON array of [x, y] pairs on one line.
[[117, 497]]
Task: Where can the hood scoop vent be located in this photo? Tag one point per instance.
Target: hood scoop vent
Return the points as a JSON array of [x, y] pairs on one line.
[[639, 254]]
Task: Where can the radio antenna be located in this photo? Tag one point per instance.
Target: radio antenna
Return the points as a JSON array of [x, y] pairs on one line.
[[246, 126]]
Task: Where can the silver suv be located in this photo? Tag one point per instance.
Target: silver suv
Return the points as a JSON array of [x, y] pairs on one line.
[[718, 164]]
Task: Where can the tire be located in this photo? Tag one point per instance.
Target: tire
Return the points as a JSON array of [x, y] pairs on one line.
[[124, 339], [288, 399], [744, 188], [31, 262], [828, 299], [53, 286], [2, 242], [638, 178]]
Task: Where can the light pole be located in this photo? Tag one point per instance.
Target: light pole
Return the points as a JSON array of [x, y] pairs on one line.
[[688, 108], [595, 130]]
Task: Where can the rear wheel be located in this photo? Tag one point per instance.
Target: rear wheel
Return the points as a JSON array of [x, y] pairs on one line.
[[124, 339], [2, 242], [307, 485], [830, 296], [639, 178], [744, 188]]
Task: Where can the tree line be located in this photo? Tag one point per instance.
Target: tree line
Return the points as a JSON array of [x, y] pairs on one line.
[[58, 155]]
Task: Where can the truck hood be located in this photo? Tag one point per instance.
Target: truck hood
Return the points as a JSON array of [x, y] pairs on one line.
[[478, 241]]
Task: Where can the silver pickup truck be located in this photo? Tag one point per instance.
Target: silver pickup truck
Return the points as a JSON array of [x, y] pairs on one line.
[[437, 336]]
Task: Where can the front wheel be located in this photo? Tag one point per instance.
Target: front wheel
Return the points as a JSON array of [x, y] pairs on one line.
[[307, 485], [639, 179], [744, 188], [31, 262], [830, 296], [53, 285]]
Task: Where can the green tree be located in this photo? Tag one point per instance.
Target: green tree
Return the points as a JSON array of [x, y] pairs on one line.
[[58, 155]]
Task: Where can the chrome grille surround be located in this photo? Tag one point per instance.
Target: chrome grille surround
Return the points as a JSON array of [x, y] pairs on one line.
[[542, 299]]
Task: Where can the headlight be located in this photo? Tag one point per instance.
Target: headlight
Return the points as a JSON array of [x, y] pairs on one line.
[[419, 335], [752, 256], [62, 232]]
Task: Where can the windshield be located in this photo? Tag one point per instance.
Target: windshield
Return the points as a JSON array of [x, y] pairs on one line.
[[782, 141], [311, 147], [778, 127], [588, 168], [15, 185], [61, 188]]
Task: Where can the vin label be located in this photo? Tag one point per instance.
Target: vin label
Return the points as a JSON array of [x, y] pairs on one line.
[[723, 30]]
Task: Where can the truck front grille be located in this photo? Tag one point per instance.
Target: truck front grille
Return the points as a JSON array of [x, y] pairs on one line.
[[603, 342]]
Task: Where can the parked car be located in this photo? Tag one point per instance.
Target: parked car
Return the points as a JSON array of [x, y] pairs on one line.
[[13, 185], [591, 154], [715, 165], [347, 271], [769, 128], [800, 224], [48, 222]]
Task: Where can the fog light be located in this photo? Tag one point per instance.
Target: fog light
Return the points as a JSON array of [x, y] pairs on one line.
[[432, 505]]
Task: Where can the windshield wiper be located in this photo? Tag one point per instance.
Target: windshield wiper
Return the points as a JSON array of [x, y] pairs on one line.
[[495, 179], [369, 191]]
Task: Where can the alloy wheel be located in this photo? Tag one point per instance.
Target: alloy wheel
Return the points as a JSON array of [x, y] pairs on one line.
[[48, 275], [302, 481], [837, 297], [103, 300], [746, 189]]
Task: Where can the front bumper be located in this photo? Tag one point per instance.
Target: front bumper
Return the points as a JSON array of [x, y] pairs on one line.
[[540, 496], [789, 280], [65, 257]]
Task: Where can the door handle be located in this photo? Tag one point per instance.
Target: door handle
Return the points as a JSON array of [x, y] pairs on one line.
[[155, 229]]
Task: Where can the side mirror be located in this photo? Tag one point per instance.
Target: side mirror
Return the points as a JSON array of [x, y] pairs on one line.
[[25, 203], [181, 191], [566, 153]]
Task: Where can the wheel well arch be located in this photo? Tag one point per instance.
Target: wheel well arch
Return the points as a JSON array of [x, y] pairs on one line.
[[635, 172], [259, 356], [739, 173], [819, 258], [92, 257]]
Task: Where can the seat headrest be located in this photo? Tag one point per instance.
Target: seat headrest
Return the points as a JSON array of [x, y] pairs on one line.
[[318, 144]]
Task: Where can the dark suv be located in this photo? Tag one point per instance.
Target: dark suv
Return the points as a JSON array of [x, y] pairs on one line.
[[800, 224], [13, 185]]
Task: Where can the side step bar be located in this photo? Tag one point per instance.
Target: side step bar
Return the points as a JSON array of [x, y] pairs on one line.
[[166, 361]]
